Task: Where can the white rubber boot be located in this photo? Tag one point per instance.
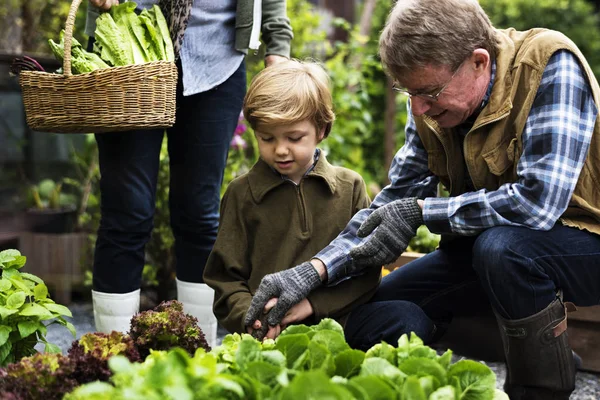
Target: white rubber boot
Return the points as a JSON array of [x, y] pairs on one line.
[[113, 311], [197, 299]]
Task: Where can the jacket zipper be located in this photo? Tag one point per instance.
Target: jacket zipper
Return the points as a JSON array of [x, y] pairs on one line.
[[439, 136], [302, 207]]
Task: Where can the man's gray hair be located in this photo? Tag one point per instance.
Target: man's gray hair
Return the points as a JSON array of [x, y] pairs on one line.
[[434, 32]]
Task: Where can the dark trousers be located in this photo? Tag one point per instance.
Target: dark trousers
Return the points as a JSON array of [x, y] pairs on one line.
[[198, 145], [516, 271]]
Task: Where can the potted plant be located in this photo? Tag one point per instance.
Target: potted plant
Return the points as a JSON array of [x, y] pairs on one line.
[[49, 209]]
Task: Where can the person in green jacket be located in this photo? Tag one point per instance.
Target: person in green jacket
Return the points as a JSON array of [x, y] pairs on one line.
[[289, 205]]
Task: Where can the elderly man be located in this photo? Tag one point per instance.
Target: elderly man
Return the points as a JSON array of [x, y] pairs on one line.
[[507, 122]]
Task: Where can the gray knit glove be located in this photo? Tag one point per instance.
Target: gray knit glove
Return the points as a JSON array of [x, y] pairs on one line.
[[289, 286], [396, 224]]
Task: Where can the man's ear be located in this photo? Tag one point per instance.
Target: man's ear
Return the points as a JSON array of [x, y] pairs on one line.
[[480, 59]]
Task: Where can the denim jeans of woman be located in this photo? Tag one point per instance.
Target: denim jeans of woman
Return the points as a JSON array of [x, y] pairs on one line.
[[518, 271], [198, 145]]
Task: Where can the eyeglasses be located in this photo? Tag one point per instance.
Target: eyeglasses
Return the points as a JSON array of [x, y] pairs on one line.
[[427, 96]]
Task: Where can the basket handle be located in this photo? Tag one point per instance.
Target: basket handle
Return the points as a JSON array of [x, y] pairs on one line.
[[69, 36]]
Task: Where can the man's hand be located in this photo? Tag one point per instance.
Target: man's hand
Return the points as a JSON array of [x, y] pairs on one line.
[[104, 4], [289, 286], [396, 224]]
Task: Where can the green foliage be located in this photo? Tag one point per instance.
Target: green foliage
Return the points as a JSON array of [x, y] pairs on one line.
[[28, 24], [424, 241], [304, 362], [47, 194], [243, 153], [575, 18], [24, 306], [86, 183]]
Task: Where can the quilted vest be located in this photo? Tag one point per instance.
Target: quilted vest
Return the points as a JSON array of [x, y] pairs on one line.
[[494, 144]]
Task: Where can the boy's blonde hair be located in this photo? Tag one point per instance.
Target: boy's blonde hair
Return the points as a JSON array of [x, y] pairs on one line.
[[289, 92], [436, 32]]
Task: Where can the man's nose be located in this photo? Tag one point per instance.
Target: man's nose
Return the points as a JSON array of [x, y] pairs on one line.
[[419, 106]]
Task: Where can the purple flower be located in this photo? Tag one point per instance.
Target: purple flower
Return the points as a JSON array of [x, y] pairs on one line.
[[238, 142], [240, 129]]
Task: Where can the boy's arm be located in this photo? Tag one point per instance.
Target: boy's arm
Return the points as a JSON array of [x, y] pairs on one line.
[[226, 272]]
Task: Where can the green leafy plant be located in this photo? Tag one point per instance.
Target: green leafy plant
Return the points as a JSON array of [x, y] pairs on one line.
[[25, 307], [47, 194], [164, 327], [122, 38], [575, 18], [45, 376], [424, 241], [305, 362], [90, 354]]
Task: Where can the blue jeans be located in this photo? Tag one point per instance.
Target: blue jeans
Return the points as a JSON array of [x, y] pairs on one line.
[[198, 145], [516, 271]]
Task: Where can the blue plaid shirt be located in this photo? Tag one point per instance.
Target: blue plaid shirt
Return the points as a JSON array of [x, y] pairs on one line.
[[556, 140]]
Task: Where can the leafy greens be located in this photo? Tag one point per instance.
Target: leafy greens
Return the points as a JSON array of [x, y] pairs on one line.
[[303, 363], [122, 37]]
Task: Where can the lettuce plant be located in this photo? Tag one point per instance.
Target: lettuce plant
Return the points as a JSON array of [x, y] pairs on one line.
[[26, 310], [90, 354], [303, 362], [45, 376], [166, 326]]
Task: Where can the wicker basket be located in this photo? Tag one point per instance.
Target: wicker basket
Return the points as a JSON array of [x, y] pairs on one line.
[[140, 96]]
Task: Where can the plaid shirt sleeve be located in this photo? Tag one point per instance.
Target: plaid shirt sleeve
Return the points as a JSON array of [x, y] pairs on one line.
[[409, 176], [556, 141]]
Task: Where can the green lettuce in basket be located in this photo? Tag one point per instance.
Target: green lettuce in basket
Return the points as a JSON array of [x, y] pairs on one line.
[[122, 37]]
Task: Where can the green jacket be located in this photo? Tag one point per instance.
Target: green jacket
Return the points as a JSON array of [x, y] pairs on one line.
[[493, 146], [273, 24], [269, 224]]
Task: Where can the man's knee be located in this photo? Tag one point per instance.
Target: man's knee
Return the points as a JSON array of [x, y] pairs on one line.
[[498, 247]]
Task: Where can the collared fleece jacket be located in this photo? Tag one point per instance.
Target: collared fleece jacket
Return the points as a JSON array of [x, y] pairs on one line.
[[269, 224]]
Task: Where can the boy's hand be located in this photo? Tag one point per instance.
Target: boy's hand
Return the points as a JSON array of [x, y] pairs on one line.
[[298, 313], [289, 286], [396, 224], [104, 4]]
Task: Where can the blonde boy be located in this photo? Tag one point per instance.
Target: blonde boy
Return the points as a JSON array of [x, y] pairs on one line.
[[291, 203]]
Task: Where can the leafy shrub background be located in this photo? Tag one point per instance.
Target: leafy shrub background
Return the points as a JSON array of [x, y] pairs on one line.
[[577, 19]]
